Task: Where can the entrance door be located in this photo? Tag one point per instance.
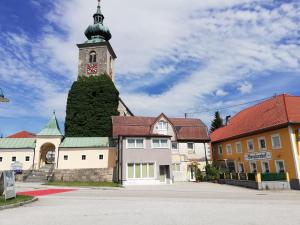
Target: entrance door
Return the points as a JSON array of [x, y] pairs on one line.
[[192, 173], [162, 174]]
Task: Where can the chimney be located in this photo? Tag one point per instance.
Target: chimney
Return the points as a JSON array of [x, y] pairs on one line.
[[227, 120]]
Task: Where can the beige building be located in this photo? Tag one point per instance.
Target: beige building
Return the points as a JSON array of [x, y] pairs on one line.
[[50, 149]]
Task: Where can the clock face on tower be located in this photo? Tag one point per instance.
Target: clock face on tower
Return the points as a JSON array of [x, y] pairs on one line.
[[92, 69]]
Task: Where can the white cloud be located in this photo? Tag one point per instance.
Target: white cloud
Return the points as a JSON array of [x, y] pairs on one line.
[[221, 92], [245, 88]]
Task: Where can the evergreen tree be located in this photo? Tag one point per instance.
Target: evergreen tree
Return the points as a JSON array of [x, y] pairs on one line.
[[217, 122], [91, 103]]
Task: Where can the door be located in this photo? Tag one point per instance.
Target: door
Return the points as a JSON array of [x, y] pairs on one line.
[[192, 173], [162, 174]]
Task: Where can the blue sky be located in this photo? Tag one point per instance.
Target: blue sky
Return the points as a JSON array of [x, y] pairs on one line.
[[173, 56]]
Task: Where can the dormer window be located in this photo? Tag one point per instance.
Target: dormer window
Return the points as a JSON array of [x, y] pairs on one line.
[[93, 57], [162, 127]]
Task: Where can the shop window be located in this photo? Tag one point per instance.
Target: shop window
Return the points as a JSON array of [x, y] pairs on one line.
[[280, 166], [253, 167], [265, 167]]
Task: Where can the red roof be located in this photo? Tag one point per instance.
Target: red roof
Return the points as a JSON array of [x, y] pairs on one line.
[[185, 129], [277, 111], [22, 134]]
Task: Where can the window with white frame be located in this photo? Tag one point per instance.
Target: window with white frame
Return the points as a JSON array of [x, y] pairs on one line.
[[174, 145], [238, 146], [191, 147], [241, 168], [276, 142], [280, 166], [250, 145], [135, 143], [160, 143], [176, 167], [220, 150], [265, 167], [162, 127], [229, 149], [140, 170], [253, 167], [262, 143]]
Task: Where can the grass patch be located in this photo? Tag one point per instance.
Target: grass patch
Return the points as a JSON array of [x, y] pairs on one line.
[[83, 184], [19, 198]]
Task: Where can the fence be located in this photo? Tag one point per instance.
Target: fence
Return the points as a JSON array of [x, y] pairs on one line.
[[257, 180]]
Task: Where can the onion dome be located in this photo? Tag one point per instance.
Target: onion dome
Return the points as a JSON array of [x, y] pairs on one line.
[[98, 32]]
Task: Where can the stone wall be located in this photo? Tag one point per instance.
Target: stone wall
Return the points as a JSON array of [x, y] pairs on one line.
[[241, 183], [265, 185], [84, 175]]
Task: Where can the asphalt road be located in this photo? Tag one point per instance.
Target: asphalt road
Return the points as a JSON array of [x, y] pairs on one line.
[[179, 204]]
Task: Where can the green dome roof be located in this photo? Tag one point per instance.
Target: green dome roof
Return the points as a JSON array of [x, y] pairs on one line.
[[98, 31]]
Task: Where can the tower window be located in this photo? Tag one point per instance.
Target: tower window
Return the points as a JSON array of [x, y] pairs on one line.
[[93, 57]]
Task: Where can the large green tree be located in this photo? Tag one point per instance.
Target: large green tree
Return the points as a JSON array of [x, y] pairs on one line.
[[91, 103], [217, 122]]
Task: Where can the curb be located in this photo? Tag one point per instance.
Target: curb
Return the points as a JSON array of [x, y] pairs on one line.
[[15, 205]]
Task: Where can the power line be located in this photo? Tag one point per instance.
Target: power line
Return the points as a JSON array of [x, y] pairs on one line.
[[227, 107]]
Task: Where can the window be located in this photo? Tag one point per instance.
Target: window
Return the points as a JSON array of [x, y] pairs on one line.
[[1, 159], [229, 149], [280, 166], [100, 157], [265, 167], [231, 166], [160, 143], [83, 157], [27, 158], [253, 167], [93, 57], [174, 145], [250, 145], [276, 142], [140, 170], [241, 168], [14, 159], [135, 143], [262, 143], [162, 127], [191, 147], [66, 157], [220, 150], [238, 146], [176, 167]]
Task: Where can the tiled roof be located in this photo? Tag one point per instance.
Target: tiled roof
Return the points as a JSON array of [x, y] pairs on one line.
[[186, 129], [274, 112], [17, 143], [22, 134], [86, 142]]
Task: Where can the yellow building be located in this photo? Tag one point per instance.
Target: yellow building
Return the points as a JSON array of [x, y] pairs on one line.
[[264, 138]]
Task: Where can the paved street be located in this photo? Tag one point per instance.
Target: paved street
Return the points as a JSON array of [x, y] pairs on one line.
[[179, 204]]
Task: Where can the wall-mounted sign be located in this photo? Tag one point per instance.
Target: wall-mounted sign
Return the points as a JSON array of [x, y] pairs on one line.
[[258, 156], [7, 184]]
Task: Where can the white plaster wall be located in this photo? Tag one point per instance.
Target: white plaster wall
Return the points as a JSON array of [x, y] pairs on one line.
[[92, 158], [40, 141], [20, 154]]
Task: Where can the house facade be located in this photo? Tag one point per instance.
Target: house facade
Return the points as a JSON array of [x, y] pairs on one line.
[[160, 150], [264, 138]]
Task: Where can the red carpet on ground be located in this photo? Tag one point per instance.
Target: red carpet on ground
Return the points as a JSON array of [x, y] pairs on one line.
[[44, 192]]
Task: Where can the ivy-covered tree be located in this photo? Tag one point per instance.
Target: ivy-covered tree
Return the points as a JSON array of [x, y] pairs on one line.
[[91, 103], [216, 123]]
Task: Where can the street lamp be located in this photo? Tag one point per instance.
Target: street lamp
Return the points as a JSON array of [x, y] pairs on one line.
[[2, 98]]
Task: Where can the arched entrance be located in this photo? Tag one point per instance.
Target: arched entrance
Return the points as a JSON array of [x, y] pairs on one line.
[[47, 155]]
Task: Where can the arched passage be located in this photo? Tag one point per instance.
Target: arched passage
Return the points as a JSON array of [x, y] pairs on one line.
[[47, 154]]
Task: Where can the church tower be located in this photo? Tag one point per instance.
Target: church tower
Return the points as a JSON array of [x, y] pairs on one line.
[[96, 56]]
